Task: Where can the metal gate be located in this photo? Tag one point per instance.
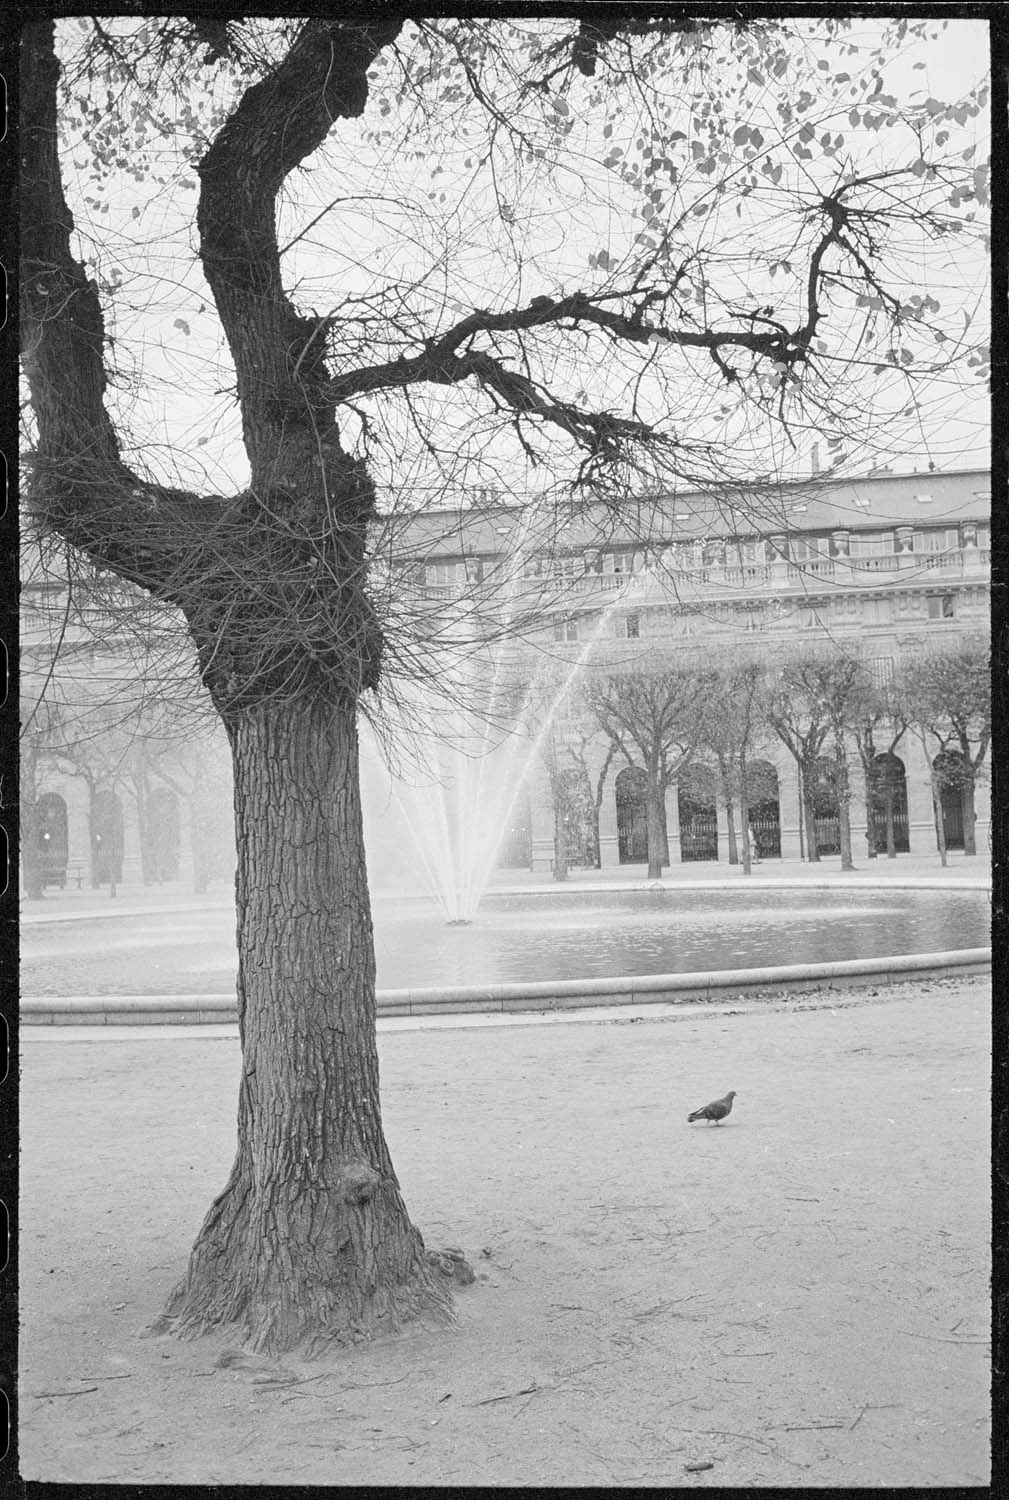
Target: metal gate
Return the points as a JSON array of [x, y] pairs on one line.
[[53, 844], [632, 816], [698, 832], [765, 829], [901, 838]]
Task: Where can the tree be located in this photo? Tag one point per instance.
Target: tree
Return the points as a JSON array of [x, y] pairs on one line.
[[807, 699], [731, 719], [875, 709], [946, 695], [662, 715], [408, 378]]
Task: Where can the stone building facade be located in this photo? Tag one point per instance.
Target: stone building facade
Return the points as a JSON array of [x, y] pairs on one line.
[[885, 564]]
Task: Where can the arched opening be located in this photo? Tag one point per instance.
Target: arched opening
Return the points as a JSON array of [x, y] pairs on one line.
[[826, 806], [516, 849], [765, 809], [888, 803], [695, 794], [632, 815], [163, 822], [952, 771], [106, 839], [53, 844]]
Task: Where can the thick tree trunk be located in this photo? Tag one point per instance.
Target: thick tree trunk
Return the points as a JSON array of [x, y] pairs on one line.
[[310, 1243], [656, 827]]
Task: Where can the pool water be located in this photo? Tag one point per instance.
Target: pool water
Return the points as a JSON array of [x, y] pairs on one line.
[[572, 934]]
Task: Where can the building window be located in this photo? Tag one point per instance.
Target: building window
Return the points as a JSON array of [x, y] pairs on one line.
[[808, 548], [939, 539], [443, 574], [941, 607], [871, 543], [881, 671], [745, 554], [628, 627], [566, 630]]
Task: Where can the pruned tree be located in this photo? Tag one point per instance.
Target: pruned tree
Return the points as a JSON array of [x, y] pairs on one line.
[[732, 720], [806, 701], [946, 694], [661, 716], [452, 325], [878, 724]]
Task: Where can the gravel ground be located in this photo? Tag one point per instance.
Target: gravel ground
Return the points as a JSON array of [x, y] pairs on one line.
[[798, 1297]]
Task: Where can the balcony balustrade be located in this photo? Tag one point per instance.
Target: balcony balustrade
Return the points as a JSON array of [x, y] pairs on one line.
[[780, 576]]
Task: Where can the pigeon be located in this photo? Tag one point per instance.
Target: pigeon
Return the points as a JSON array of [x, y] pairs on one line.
[[715, 1111]]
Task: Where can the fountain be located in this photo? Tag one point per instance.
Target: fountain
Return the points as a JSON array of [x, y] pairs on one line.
[[470, 745]]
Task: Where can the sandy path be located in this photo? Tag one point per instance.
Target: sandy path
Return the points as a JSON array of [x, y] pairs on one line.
[[798, 1297]]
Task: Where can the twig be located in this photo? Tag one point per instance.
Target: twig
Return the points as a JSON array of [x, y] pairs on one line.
[[40, 1395], [940, 1338], [268, 1382], [814, 1427], [526, 1390], [887, 1406]]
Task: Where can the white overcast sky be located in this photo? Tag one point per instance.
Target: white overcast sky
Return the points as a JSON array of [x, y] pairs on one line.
[[174, 374]]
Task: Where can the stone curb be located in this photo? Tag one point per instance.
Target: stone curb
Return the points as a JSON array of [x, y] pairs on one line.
[[562, 994]]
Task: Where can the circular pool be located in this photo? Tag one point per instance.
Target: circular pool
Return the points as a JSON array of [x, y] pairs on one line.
[[533, 937], [584, 934]]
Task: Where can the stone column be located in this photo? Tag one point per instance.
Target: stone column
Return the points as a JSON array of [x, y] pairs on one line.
[[541, 819], [858, 811], [673, 823], [609, 845], [920, 812], [788, 804]]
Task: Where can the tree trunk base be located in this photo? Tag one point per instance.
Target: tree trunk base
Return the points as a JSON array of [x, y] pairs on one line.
[[349, 1268]]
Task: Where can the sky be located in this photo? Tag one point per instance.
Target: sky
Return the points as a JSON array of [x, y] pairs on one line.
[[503, 233]]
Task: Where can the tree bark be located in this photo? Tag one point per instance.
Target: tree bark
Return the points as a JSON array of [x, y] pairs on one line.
[[309, 1244], [656, 825]]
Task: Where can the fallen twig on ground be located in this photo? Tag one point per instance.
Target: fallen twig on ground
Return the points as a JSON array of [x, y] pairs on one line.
[[526, 1390], [44, 1395]]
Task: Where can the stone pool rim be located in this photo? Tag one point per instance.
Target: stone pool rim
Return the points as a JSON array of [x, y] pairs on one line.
[[562, 994]]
